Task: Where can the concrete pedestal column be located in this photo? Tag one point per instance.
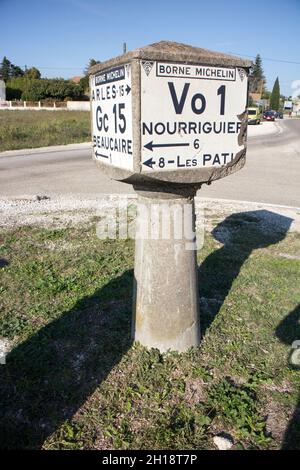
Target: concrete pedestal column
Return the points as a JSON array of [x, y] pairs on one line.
[[166, 302]]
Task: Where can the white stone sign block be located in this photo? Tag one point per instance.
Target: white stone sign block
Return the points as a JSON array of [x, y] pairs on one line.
[[112, 116], [189, 115]]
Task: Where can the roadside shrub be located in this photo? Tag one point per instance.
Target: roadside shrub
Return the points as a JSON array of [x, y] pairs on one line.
[[32, 89]]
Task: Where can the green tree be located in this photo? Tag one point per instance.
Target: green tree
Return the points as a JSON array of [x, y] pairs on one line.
[[56, 89], [257, 80], [275, 96], [9, 70], [266, 95], [5, 69], [15, 88], [84, 81], [257, 69], [34, 89], [16, 71], [33, 72], [90, 64]]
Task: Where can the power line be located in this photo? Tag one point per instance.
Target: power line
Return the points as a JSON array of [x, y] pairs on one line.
[[59, 68], [266, 58], [235, 53]]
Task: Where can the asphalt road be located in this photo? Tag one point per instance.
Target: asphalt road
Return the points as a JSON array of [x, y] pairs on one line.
[[272, 170], [271, 174]]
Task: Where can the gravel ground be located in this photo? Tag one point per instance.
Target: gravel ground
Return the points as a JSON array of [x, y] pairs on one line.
[[71, 211]]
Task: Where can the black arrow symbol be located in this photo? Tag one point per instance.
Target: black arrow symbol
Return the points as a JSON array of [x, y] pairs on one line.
[[101, 155], [128, 89], [151, 145], [149, 163]]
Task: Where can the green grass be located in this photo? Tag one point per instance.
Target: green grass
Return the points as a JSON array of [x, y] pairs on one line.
[[31, 129], [73, 379]]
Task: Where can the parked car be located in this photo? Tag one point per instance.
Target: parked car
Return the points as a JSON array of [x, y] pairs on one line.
[[269, 116], [254, 116], [277, 114]]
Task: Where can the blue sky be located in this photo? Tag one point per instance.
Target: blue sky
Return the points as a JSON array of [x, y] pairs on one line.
[[59, 36]]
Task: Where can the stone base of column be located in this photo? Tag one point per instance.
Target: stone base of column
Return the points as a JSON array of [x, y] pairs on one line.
[[166, 301]]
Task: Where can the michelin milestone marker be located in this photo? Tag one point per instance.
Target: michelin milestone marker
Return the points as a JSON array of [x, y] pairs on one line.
[[168, 118]]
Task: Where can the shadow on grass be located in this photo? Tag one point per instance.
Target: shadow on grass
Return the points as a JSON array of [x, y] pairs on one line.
[[49, 376], [288, 331], [3, 263], [240, 233]]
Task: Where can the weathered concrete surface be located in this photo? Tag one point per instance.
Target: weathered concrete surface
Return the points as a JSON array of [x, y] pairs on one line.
[[165, 307], [172, 51]]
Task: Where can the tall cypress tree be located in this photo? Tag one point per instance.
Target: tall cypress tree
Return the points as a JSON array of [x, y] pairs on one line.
[[275, 96]]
